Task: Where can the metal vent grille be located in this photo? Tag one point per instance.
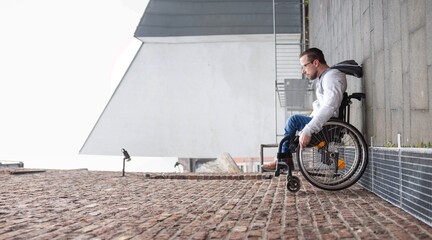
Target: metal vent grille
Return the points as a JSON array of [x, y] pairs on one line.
[[402, 177], [298, 95]]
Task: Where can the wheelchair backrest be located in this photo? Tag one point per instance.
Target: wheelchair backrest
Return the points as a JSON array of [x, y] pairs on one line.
[[344, 109], [349, 67]]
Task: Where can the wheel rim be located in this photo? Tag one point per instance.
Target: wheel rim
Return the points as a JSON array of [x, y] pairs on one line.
[[339, 162]]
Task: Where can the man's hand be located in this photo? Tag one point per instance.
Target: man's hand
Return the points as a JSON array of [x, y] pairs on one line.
[[304, 140]]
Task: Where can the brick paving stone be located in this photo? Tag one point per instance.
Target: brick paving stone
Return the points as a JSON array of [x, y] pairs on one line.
[[80, 204]]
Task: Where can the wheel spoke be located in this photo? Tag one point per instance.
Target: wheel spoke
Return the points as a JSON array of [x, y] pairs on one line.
[[336, 157]]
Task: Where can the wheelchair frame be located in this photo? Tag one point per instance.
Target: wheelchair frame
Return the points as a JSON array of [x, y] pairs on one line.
[[329, 157]]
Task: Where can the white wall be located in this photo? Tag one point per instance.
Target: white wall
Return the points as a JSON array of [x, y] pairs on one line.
[[192, 97]]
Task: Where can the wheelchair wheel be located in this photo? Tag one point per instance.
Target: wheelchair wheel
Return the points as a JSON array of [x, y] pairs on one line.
[[336, 157], [293, 183]]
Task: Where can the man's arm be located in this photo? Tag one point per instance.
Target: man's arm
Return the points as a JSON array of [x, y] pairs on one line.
[[334, 85]]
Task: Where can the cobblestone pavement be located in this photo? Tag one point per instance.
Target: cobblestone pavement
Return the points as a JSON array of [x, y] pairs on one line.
[[80, 204]]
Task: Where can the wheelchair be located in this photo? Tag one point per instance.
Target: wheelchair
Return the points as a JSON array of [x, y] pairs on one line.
[[335, 158]]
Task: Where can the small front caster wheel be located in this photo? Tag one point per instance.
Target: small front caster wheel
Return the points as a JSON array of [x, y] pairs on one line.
[[293, 184]]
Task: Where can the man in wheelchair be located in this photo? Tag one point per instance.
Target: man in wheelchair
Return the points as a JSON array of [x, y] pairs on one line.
[[331, 85]]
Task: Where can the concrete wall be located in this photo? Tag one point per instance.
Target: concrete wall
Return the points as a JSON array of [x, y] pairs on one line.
[[192, 97], [392, 39]]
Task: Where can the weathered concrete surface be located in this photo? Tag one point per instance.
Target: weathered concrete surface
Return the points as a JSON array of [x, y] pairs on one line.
[[82, 204], [393, 41]]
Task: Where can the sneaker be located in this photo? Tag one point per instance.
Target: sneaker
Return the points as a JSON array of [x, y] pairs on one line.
[[270, 167]]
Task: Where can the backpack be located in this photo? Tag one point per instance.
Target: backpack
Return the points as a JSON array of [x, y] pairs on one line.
[[349, 67]]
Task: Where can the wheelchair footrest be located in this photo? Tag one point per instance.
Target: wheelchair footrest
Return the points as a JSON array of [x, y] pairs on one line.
[[282, 165]]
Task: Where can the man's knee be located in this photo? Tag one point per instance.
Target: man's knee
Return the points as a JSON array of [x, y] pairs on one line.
[[293, 119], [295, 123]]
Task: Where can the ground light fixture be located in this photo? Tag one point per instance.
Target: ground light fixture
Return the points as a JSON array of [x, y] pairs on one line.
[[126, 157]]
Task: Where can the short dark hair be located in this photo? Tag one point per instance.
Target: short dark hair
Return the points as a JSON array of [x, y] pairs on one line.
[[314, 53]]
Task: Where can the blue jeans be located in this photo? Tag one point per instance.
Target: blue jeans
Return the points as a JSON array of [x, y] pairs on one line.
[[294, 123]]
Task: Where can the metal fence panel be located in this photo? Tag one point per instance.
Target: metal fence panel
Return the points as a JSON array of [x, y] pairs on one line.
[[402, 177]]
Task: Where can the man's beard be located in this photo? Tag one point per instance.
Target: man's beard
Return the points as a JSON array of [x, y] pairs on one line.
[[313, 76]]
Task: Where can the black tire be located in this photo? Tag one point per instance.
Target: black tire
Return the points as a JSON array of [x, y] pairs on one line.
[[336, 158], [293, 183]]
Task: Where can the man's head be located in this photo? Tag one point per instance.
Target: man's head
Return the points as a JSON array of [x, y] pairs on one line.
[[312, 63]]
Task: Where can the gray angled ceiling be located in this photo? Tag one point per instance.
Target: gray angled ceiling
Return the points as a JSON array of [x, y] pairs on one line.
[[165, 18]]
